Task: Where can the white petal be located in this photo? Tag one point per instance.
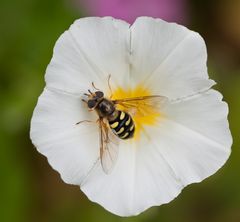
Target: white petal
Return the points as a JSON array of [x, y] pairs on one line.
[[89, 51], [168, 58], [140, 179], [70, 148], [194, 137], [191, 144]]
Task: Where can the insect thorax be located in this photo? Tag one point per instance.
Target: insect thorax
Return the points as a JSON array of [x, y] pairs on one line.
[[105, 108]]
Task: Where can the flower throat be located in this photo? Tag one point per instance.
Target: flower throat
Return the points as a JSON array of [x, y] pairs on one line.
[[142, 113]]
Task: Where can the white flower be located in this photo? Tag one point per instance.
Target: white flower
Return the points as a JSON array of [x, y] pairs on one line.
[[185, 142]]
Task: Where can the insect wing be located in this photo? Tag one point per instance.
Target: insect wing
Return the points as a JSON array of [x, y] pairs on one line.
[[109, 146], [144, 104]]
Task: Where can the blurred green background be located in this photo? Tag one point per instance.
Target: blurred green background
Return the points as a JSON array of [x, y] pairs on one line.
[[30, 190]]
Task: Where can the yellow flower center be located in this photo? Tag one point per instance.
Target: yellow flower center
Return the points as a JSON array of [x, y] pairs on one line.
[[142, 113]]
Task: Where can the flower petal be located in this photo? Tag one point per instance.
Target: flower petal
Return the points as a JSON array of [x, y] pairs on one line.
[[90, 50], [168, 58], [194, 137], [140, 179], [192, 143], [69, 148]]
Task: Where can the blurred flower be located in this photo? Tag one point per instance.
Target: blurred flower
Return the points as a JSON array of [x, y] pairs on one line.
[[129, 10], [182, 141]]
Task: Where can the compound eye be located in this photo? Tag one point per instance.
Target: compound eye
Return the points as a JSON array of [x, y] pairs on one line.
[[99, 94], [91, 103]]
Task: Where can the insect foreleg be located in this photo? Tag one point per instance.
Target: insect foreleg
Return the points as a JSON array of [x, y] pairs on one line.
[[93, 85], [109, 86], [85, 121]]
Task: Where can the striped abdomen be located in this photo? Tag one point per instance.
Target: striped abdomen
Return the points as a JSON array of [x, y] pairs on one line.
[[123, 125]]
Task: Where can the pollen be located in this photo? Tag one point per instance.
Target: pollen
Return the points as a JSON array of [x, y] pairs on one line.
[[142, 113]]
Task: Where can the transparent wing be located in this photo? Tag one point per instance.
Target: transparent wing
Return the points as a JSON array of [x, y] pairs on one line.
[[145, 105], [109, 146]]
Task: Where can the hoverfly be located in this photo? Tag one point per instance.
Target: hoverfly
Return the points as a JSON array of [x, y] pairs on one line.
[[115, 124]]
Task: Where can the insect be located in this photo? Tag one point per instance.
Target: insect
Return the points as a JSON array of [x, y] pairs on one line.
[[115, 124]]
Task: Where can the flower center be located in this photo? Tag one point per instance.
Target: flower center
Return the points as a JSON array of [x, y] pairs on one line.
[[143, 112]]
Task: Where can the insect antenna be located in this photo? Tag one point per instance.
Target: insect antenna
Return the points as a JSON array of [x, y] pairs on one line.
[[90, 92], [88, 95]]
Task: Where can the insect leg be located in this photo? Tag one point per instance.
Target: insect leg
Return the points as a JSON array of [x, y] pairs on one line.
[[109, 85], [93, 85], [88, 121], [85, 121]]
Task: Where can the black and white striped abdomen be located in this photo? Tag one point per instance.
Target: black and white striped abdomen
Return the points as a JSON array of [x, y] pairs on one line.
[[123, 125]]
